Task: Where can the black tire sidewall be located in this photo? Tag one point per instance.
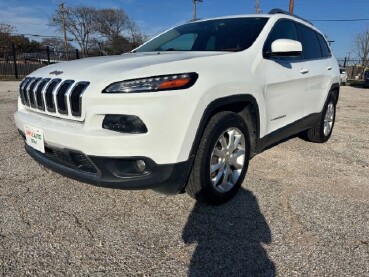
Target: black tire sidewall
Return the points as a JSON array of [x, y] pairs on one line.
[[322, 135], [220, 126]]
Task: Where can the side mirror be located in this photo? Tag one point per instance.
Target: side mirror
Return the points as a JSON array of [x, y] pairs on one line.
[[286, 48]]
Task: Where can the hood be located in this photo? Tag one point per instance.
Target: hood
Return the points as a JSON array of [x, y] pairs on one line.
[[108, 66]]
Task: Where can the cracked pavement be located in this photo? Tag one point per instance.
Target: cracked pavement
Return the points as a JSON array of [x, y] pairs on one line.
[[303, 211]]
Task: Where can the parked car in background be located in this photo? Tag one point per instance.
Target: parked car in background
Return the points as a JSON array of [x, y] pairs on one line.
[[343, 75], [366, 79]]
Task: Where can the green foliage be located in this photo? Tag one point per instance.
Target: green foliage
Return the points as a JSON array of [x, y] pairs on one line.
[[22, 43]]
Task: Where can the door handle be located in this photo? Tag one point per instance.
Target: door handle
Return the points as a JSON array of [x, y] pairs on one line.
[[329, 67], [304, 71]]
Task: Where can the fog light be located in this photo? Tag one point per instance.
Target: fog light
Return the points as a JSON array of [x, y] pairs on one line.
[[124, 124], [141, 165]]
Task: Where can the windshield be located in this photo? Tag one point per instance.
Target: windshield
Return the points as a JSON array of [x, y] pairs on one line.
[[232, 34]]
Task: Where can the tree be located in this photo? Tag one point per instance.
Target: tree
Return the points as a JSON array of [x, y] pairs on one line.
[[55, 44], [24, 45], [361, 44], [121, 32], [136, 37], [79, 22], [111, 24], [108, 31], [6, 31]]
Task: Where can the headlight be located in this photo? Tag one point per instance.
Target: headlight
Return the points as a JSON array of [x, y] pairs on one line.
[[156, 83]]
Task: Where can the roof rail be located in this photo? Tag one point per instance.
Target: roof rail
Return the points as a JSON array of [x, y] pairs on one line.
[[194, 19], [277, 11]]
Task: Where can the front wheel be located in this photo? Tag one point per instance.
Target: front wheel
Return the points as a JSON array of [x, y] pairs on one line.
[[322, 131], [221, 161]]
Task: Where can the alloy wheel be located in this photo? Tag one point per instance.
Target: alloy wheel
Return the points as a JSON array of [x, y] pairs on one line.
[[227, 160]]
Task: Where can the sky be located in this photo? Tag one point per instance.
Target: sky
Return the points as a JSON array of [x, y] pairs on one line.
[[155, 16]]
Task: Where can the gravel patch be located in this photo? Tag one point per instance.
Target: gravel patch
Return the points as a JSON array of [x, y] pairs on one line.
[[303, 210]]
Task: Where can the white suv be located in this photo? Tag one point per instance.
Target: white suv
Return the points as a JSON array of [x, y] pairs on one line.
[[186, 110]]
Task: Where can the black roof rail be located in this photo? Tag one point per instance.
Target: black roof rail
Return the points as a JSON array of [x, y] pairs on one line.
[[277, 11], [194, 19]]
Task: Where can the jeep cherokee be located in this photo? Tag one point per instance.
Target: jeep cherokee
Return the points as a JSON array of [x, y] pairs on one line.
[[186, 110]]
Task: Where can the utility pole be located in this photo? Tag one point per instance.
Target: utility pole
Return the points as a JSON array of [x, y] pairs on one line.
[[257, 7], [194, 8], [64, 30], [292, 5]]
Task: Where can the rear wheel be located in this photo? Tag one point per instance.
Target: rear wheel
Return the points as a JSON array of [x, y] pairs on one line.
[[323, 129], [221, 161]]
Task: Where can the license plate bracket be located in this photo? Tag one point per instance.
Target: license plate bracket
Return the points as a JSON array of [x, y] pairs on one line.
[[35, 138]]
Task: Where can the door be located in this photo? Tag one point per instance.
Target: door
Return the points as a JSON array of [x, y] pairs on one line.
[[287, 80], [318, 56]]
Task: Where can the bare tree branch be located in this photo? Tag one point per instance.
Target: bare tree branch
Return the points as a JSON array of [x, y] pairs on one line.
[[79, 22], [7, 29], [108, 30], [136, 37], [361, 43]]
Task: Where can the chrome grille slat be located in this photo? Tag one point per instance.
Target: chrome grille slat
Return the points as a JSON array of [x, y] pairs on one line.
[[26, 91], [61, 99], [75, 98], [49, 95], [57, 97], [21, 87], [33, 86], [40, 94]]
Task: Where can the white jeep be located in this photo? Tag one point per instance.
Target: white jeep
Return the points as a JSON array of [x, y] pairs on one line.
[[186, 110]]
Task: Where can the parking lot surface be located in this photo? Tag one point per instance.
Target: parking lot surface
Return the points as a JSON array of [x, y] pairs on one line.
[[303, 210]]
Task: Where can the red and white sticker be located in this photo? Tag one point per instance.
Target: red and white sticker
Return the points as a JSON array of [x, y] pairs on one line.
[[35, 138]]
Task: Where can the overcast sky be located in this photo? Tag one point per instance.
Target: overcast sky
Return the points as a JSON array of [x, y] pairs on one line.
[[155, 16]]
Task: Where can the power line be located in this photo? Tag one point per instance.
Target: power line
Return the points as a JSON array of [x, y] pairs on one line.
[[41, 36], [340, 20], [23, 22]]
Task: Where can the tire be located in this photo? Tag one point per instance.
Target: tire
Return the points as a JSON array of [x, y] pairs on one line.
[[323, 129], [220, 167]]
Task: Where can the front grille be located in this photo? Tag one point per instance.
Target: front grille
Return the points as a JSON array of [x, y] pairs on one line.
[[71, 159], [53, 96]]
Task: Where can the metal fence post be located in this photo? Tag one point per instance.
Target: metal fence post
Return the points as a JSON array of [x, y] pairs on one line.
[[48, 54], [15, 61]]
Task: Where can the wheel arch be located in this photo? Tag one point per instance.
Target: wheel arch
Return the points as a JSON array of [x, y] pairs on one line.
[[334, 91], [244, 104]]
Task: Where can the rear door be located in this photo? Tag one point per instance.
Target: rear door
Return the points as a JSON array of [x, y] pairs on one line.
[[318, 56], [287, 80]]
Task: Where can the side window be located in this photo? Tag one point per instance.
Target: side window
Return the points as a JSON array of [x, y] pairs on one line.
[[282, 29], [181, 43], [325, 48], [310, 44]]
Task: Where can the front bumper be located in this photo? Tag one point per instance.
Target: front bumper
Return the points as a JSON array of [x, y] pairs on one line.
[[113, 172]]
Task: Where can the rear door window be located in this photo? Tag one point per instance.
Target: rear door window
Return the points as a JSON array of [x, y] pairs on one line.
[[324, 46]]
